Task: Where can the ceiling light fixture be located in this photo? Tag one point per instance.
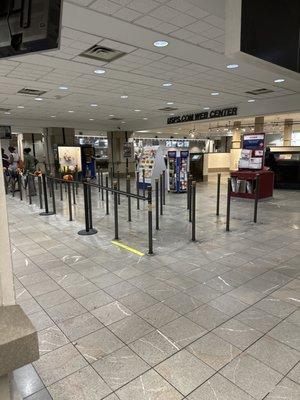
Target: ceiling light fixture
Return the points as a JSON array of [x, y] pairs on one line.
[[21, 107], [111, 115], [123, 122], [71, 111], [63, 88], [161, 43], [137, 110], [91, 119], [171, 114], [170, 103], [53, 116], [215, 93], [280, 80], [145, 118], [205, 108], [232, 66], [167, 84], [124, 96], [251, 101], [38, 99], [99, 71], [94, 105], [7, 113]]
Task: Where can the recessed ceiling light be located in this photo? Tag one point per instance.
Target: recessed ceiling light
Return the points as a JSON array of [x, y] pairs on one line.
[[145, 118], [70, 111], [7, 113], [205, 108], [171, 114], [123, 122], [251, 101], [53, 116], [94, 105], [215, 93], [111, 115], [63, 88], [280, 80], [144, 131], [232, 66], [21, 107], [167, 84], [99, 71], [91, 119], [124, 96], [161, 43], [176, 133], [170, 103], [38, 99], [137, 110], [159, 132]]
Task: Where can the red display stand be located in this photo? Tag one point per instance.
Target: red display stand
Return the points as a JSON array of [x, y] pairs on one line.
[[266, 183]]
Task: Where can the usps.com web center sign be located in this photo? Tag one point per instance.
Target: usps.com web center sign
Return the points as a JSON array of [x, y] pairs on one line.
[[225, 112]]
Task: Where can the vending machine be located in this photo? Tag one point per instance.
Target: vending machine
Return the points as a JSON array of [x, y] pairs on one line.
[[178, 167]]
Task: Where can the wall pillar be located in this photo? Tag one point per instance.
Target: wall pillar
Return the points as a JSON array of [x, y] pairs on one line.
[[54, 137], [259, 124], [117, 161], [287, 132]]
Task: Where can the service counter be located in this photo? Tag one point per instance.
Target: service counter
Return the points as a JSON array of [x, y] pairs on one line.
[[287, 167], [214, 163]]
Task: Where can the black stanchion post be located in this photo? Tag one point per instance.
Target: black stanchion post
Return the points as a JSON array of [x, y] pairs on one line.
[[218, 194], [70, 201], [40, 191], [29, 188], [256, 197], [193, 207], [90, 209], [89, 230], [61, 190], [161, 195], [228, 205], [150, 228], [111, 179], [55, 184], [188, 191], [138, 189], [164, 187], [20, 186], [115, 186], [128, 190], [144, 187], [102, 184], [5, 182], [107, 196], [190, 197], [53, 196], [119, 186], [99, 180], [74, 194], [45, 190], [157, 204]]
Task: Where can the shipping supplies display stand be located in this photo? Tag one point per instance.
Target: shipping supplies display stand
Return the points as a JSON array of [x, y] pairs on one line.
[[151, 166], [178, 167]]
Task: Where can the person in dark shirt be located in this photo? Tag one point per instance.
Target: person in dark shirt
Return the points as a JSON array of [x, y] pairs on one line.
[[5, 159], [270, 160]]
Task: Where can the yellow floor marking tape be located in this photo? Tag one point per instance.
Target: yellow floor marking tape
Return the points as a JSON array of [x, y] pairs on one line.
[[123, 246]]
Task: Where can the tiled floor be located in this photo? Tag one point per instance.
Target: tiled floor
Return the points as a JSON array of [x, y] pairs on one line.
[[218, 319]]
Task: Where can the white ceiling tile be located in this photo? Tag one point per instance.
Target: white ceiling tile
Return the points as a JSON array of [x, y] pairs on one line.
[[151, 55], [213, 33], [198, 27], [148, 22], [165, 13], [143, 6], [182, 34], [197, 12], [166, 28], [182, 20], [105, 6], [215, 20], [117, 45], [127, 14], [180, 5]]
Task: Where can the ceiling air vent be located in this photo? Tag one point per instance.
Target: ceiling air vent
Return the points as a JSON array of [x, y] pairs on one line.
[[168, 109], [32, 92], [115, 119], [4, 110], [101, 53], [257, 92]]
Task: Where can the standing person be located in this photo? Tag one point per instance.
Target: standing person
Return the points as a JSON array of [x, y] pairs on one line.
[[5, 159], [13, 167], [270, 160], [29, 168]]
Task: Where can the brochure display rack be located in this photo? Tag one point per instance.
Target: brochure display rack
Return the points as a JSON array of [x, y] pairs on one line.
[[178, 166], [243, 182], [153, 163]]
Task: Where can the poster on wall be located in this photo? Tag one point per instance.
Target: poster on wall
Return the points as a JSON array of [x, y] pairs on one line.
[[69, 159], [252, 155]]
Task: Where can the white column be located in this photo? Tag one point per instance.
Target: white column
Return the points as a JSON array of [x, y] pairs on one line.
[[7, 295]]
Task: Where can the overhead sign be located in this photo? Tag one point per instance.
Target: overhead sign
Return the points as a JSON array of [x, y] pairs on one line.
[[225, 112], [5, 132]]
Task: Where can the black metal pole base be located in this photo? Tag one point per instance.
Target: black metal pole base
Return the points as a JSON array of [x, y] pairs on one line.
[[43, 214], [87, 233]]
